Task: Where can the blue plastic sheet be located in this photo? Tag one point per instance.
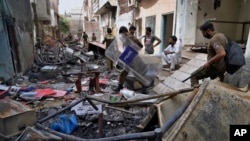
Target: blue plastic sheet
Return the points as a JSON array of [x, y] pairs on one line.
[[66, 123]]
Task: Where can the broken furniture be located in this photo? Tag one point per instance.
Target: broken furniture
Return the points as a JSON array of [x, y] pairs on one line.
[[97, 48], [198, 47], [15, 117]]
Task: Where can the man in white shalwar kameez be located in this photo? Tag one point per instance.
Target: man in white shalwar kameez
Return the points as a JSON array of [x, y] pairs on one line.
[[172, 54]]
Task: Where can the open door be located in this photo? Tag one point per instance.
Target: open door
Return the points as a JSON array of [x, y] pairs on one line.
[[167, 29]]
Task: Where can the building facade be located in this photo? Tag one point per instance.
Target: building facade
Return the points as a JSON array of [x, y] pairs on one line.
[[159, 15], [45, 17], [75, 18], [228, 17], [16, 38]]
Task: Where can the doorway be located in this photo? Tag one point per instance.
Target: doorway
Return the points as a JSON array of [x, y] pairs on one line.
[[167, 29]]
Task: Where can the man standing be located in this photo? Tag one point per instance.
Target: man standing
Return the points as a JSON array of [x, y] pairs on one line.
[[75, 37], [215, 65], [93, 37], [85, 39], [70, 37], [149, 40], [131, 36], [108, 39], [171, 54], [123, 74]]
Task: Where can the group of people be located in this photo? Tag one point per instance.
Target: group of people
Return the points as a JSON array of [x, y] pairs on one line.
[[85, 38], [109, 38], [171, 55], [150, 42]]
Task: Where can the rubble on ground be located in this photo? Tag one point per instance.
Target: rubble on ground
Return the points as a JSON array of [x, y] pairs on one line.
[[60, 78]]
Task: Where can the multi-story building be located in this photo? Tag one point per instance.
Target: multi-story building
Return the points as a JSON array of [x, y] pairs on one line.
[[229, 17], [91, 22], [159, 15], [106, 11], [45, 15], [54, 14], [174, 17], [75, 17], [41, 17]]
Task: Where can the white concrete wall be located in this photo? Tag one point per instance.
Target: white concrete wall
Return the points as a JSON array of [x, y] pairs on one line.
[[247, 53], [76, 20], [228, 11], [156, 8], [124, 19], [186, 20], [53, 18], [192, 13], [180, 19]]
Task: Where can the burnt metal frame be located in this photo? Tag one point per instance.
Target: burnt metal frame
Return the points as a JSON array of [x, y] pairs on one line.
[[156, 134]]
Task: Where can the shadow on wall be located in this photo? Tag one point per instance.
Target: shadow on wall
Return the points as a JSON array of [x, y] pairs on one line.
[[148, 3]]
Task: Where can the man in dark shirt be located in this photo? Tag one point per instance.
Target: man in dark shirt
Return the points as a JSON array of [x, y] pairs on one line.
[[107, 40], [123, 74], [215, 65], [85, 39]]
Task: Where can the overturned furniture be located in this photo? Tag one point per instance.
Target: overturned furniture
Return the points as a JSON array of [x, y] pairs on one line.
[[15, 117], [212, 111]]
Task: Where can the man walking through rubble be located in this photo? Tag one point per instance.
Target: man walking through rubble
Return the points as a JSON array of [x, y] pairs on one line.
[[215, 65], [93, 37], [123, 74], [85, 39], [107, 40]]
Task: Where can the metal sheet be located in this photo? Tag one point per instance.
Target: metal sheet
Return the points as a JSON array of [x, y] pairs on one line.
[[6, 65], [14, 117], [220, 106]]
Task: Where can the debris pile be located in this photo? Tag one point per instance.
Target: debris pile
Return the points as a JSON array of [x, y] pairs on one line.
[[70, 90]]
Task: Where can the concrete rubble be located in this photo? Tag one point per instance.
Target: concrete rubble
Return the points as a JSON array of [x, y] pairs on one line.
[[68, 95]]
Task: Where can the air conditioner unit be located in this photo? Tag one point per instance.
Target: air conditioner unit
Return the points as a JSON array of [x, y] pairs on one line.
[[132, 3]]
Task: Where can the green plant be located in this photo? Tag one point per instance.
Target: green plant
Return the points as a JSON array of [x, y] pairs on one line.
[[64, 25]]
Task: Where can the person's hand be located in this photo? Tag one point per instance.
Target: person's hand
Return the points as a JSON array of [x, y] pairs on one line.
[[206, 66]]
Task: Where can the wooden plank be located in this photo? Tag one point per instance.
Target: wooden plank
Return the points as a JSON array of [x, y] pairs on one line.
[[168, 107]]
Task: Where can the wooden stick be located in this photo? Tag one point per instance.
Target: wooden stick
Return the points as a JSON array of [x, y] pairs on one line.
[[144, 98], [119, 109]]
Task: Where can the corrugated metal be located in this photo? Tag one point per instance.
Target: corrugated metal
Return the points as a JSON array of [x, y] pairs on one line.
[[16, 35], [6, 65], [211, 113]]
